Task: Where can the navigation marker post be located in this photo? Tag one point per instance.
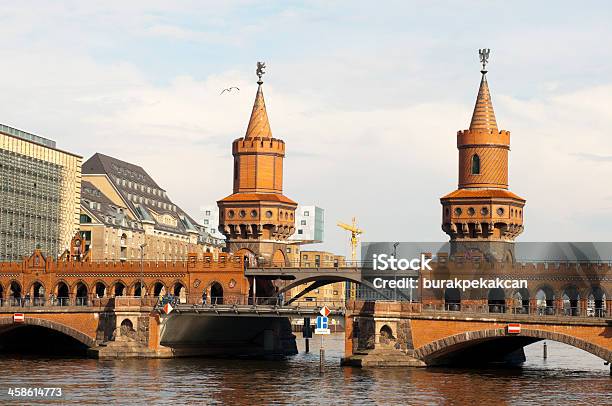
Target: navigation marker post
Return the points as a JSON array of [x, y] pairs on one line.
[[322, 329], [307, 333]]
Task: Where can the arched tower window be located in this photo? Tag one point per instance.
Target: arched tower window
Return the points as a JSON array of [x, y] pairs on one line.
[[475, 164]]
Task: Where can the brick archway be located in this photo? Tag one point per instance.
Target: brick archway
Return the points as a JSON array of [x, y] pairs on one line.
[[52, 325], [435, 349]]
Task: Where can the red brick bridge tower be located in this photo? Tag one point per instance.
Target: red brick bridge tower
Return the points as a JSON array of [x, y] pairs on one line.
[[257, 218], [482, 214]]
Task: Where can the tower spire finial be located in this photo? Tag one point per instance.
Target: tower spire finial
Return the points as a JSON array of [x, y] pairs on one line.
[[484, 58], [261, 66], [259, 126], [483, 117]]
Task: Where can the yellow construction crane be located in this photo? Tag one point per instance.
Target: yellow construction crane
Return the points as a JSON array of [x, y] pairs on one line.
[[355, 233]]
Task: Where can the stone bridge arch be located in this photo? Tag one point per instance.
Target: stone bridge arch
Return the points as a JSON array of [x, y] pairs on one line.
[[436, 349], [52, 325]]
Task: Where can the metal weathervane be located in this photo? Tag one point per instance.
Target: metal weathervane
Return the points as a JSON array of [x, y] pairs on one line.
[[261, 66], [484, 58]]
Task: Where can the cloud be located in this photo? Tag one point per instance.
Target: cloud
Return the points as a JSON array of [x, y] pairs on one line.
[[593, 157]]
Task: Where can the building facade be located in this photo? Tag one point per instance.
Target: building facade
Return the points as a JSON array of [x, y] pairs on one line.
[[210, 221], [482, 214], [126, 214], [257, 218], [334, 292], [40, 188], [309, 225]]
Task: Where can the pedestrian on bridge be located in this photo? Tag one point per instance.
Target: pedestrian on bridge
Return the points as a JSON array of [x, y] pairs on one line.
[[204, 297]]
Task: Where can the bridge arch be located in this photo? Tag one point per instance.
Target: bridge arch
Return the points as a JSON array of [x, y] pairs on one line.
[[118, 288], [138, 288], [496, 299], [61, 288], [216, 292], [14, 289], [100, 289], [452, 299], [545, 298], [571, 299], [435, 350], [52, 325], [179, 289], [81, 293], [521, 300], [37, 289], [596, 300], [159, 288]]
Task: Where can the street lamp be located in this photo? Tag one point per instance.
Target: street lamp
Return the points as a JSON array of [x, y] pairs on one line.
[[142, 247]]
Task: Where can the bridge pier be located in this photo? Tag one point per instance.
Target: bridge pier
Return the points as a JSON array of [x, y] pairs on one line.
[[399, 334]]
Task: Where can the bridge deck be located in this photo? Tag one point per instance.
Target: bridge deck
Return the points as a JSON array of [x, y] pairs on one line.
[[259, 310]]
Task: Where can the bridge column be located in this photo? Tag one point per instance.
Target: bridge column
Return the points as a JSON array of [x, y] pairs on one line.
[[348, 335], [533, 306], [582, 305], [558, 306], [510, 304]]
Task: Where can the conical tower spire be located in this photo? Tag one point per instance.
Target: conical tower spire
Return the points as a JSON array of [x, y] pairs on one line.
[[259, 125], [483, 117]]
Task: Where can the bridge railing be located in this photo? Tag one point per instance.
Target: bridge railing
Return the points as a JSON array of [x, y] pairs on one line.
[[518, 310]]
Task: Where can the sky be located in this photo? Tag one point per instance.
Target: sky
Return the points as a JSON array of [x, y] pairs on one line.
[[368, 97]]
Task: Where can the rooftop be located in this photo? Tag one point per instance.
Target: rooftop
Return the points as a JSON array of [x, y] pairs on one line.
[[5, 129]]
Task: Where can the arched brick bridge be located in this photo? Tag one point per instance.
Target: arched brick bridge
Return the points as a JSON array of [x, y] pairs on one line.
[[439, 337]]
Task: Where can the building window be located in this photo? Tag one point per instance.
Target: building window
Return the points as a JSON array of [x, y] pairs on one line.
[[208, 212], [205, 221], [475, 164], [303, 222], [306, 213], [300, 231]]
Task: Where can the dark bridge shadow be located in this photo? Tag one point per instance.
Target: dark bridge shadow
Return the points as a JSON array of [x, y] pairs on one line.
[[36, 340]]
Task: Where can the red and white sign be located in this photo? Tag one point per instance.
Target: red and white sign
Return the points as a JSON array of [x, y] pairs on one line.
[[324, 311], [18, 318], [168, 308], [514, 328]]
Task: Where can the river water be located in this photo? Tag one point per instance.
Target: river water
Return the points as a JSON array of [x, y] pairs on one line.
[[568, 376]]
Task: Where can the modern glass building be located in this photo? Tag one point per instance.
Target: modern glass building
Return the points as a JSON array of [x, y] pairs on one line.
[[40, 189], [309, 225]]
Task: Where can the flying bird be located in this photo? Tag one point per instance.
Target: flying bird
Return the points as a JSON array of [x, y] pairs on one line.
[[229, 89]]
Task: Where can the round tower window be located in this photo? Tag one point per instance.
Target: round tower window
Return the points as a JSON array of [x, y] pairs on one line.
[[230, 214], [242, 213], [484, 211], [458, 211], [500, 211], [253, 213], [286, 215], [471, 211], [269, 213]]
